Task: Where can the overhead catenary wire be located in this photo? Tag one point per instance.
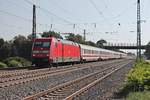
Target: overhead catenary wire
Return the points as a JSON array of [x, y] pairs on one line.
[[11, 14], [67, 22], [12, 2], [61, 8], [45, 10], [74, 25], [20, 17], [52, 14], [66, 11], [29, 20], [112, 18], [29, 2], [116, 20], [97, 9], [11, 26]]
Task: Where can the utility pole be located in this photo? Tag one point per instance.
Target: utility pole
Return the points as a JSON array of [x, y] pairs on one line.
[[138, 31], [51, 27], [84, 34], [34, 23]]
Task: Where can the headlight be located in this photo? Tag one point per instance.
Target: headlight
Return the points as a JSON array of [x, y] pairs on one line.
[[45, 51], [35, 51]]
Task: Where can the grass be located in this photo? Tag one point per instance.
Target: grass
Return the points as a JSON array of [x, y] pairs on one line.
[[139, 96]]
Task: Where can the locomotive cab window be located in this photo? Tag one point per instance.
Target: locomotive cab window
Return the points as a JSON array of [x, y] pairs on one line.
[[42, 44], [46, 44]]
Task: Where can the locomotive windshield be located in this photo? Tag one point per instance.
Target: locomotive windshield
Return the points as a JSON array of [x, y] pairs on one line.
[[42, 44]]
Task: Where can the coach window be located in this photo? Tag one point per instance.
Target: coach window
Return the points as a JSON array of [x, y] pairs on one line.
[[82, 51], [87, 51]]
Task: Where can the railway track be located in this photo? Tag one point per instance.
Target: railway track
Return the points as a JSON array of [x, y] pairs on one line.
[[15, 72], [73, 89], [15, 68], [21, 77], [9, 72]]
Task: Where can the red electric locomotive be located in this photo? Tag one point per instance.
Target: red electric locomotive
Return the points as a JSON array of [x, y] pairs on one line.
[[52, 51]]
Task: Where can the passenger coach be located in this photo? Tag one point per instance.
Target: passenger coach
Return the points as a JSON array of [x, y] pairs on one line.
[[89, 53]]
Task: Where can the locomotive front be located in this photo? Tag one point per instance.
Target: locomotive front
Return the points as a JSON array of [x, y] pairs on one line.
[[41, 51]]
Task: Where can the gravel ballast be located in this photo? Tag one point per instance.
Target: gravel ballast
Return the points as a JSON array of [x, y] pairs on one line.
[[105, 89], [17, 92]]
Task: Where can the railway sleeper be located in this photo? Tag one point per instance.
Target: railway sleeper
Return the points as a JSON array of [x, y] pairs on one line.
[[53, 94], [64, 93], [53, 98]]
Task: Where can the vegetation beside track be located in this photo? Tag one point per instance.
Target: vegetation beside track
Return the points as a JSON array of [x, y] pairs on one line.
[[3, 65], [14, 62], [145, 95], [137, 82]]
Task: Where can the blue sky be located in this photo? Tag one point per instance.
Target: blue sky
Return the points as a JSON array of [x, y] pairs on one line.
[[115, 19]]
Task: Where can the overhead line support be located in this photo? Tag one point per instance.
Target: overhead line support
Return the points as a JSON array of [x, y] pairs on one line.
[[34, 23], [138, 31]]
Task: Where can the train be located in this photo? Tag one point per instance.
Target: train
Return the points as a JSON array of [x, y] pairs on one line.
[[51, 51]]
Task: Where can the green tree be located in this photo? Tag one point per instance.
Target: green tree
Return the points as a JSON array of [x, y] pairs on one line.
[[51, 34], [5, 50], [18, 46], [29, 37], [22, 47], [75, 38], [71, 37], [1, 42], [79, 39], [90, 43]]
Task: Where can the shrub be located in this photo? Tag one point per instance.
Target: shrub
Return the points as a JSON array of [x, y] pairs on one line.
[[14, 63], [137, 80], [139, 77], [2, 65], [23, 61]]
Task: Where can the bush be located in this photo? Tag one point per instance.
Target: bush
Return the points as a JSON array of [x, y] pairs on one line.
[[21, 60], [2, 65], [14, 63], [137, 80], [139, 76]]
